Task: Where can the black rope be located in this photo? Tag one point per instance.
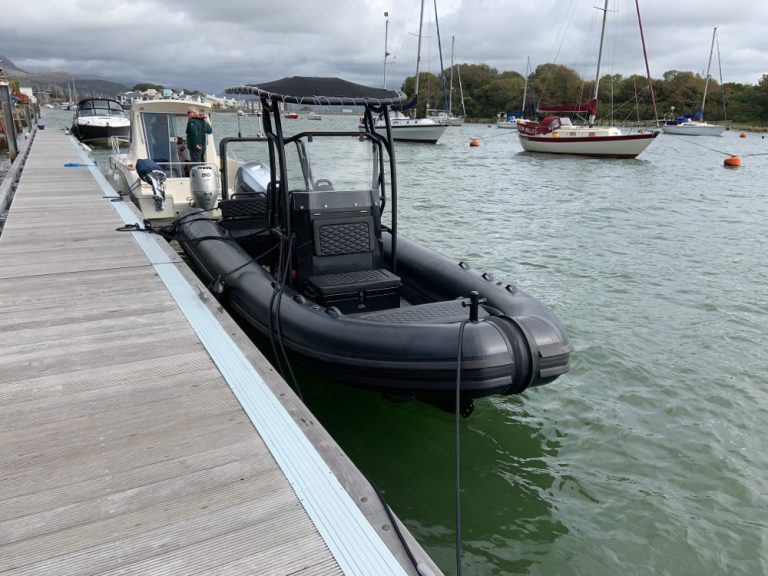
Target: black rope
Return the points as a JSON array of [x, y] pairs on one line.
[[136, 227], [393, 521], [457, 447], [274, 316], [171, 230]]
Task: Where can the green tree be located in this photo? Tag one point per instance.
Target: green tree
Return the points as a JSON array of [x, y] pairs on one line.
[[146, 86]]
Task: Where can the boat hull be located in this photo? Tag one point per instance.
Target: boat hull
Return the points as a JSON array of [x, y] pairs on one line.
[[417, 130], [693, 129], [95, 131], [623, 146], [410, 350]]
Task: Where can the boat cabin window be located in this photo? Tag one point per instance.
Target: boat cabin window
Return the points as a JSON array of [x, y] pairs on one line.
[[161, 133], [101, 108], [565, 122]]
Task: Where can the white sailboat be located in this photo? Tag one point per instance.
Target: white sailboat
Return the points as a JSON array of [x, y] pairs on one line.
[[694, 124], [555, 134], [412, 129], [453, 119], [447, 116], [510, 123]]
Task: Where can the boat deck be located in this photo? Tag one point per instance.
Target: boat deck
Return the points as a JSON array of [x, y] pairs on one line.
[[140, 431]]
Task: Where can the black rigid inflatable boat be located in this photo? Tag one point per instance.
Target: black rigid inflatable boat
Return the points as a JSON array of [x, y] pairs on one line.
[[307, 262]]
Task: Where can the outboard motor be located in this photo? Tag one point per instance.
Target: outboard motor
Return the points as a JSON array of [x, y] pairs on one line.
[[152, 173], [251, 179], [204, 186]]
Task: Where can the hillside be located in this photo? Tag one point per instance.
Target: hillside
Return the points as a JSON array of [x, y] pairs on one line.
[[59, 84]]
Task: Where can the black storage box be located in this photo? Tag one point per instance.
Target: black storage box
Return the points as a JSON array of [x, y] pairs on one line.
[[360, 291]]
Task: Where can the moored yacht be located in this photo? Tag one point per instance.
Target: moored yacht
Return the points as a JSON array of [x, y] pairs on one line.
[[153, 167], [96, 120]]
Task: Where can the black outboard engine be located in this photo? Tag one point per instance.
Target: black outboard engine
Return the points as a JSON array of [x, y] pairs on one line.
[[152, 173]]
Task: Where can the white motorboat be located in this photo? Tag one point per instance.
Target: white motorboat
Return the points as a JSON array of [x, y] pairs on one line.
[[98, 119], [407, 129], [153, 167]]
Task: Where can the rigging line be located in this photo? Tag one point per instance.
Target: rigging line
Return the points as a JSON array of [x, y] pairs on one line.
[[720, 71], [557, 45]]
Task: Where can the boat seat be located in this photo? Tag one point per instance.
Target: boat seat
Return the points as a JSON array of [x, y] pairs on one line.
[[448, 312], [339, 254], [246, 218]]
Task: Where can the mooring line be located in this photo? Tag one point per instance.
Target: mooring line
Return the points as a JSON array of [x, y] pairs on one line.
[[722, 151]]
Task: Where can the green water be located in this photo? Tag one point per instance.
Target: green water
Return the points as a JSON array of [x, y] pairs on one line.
[[649, 457]]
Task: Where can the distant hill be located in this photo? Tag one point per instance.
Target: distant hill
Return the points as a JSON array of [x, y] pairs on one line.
[[59, 84]]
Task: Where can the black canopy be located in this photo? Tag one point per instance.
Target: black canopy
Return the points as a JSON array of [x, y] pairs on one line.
[[320, 91]]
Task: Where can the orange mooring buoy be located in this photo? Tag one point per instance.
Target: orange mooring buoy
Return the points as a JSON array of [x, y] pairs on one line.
[[742, 135], [474, 142], [732, 162]]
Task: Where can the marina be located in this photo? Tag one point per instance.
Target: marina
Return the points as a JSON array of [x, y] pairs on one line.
[[648, 455], [141, 430]]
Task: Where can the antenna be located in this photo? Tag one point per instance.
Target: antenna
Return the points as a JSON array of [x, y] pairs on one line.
[[386, 53]]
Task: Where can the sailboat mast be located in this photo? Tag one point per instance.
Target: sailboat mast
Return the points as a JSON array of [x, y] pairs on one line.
[[418, 60], [647, 69], [450, 90], [442, 68], [599, 58], [525, 86], [709, 64]]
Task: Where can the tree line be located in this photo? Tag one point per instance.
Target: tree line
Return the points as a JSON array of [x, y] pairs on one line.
[[488, 93]]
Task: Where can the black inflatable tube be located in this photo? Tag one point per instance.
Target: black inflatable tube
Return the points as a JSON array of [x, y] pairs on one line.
[[523, 346]]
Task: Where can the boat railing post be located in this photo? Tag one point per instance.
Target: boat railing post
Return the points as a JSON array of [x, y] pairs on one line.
[[393, 184]]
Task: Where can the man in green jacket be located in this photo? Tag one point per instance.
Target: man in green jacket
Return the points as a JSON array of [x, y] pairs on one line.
[[197, 131]]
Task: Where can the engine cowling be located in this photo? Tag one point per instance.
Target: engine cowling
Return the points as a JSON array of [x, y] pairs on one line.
[[204, 186]]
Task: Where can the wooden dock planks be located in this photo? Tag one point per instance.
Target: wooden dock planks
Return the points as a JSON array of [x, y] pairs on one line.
[[122, 449]]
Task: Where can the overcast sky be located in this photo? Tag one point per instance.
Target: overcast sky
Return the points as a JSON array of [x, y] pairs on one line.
[[211, 45]]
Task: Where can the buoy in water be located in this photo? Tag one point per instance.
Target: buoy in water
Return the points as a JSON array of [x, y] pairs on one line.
[[742, 135], [474, 142], [732, 162]]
